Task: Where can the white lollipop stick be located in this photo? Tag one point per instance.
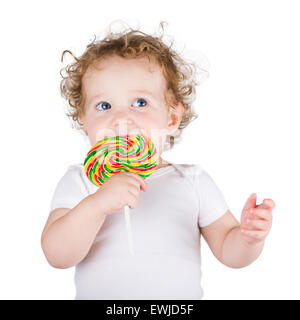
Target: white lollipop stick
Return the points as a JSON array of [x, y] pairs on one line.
[[128, 228]]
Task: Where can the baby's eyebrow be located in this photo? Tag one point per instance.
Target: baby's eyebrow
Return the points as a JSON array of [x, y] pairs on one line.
[[149, 93], [146, 92]]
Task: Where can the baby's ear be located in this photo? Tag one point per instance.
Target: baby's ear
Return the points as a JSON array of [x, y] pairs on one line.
[[174, 117]]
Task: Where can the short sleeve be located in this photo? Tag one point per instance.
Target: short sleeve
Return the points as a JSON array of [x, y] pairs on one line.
[[70, 189], [212, 204]]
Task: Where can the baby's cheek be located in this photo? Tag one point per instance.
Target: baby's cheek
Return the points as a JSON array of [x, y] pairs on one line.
[[158, 137], [98, 131]]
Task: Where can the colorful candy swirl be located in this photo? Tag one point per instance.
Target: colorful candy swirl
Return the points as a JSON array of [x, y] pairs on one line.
[[135, 153]]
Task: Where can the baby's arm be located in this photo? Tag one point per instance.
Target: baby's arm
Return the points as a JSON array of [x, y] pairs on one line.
[[225, 241], [69, 233], [237, 245]]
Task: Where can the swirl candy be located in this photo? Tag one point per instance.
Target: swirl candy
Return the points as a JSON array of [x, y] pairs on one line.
[[135, 153]]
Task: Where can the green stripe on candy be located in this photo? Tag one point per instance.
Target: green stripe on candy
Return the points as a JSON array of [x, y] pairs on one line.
[[138, 166], [102, 148], [139, 148], [90, 175], [101, 180], [151, 149], [89, 156], [95, 166], [107, 170]]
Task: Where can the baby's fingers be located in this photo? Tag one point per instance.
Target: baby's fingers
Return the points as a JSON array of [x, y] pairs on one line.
[[264, 214], [256, 224], [141, 182]]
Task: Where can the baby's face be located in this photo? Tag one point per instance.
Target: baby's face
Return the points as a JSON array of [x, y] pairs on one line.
[[127, 97]]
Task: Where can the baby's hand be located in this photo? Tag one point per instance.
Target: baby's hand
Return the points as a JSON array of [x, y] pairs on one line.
[[256, 221], [121, 189]]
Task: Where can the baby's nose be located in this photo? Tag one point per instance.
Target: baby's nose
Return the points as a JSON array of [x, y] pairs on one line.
[[122, 125], [121, 117]]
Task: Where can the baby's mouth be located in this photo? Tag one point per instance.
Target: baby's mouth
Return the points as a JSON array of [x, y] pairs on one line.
[[121, 132], [128, 133]]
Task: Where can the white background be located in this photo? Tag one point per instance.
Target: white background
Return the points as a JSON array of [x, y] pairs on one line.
[[246, 136]]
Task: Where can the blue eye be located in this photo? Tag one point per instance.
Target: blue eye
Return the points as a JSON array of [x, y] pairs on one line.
[[105, 105], [144, 102]]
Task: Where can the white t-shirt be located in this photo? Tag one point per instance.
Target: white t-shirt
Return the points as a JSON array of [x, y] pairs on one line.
[[166, 236]]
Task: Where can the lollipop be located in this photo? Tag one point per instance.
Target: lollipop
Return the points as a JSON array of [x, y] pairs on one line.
[[135, 153]]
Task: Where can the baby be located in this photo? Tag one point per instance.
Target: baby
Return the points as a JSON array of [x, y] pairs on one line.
[[179, 202]]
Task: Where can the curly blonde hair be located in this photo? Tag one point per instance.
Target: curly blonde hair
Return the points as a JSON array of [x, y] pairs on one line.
[[180, 76]]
